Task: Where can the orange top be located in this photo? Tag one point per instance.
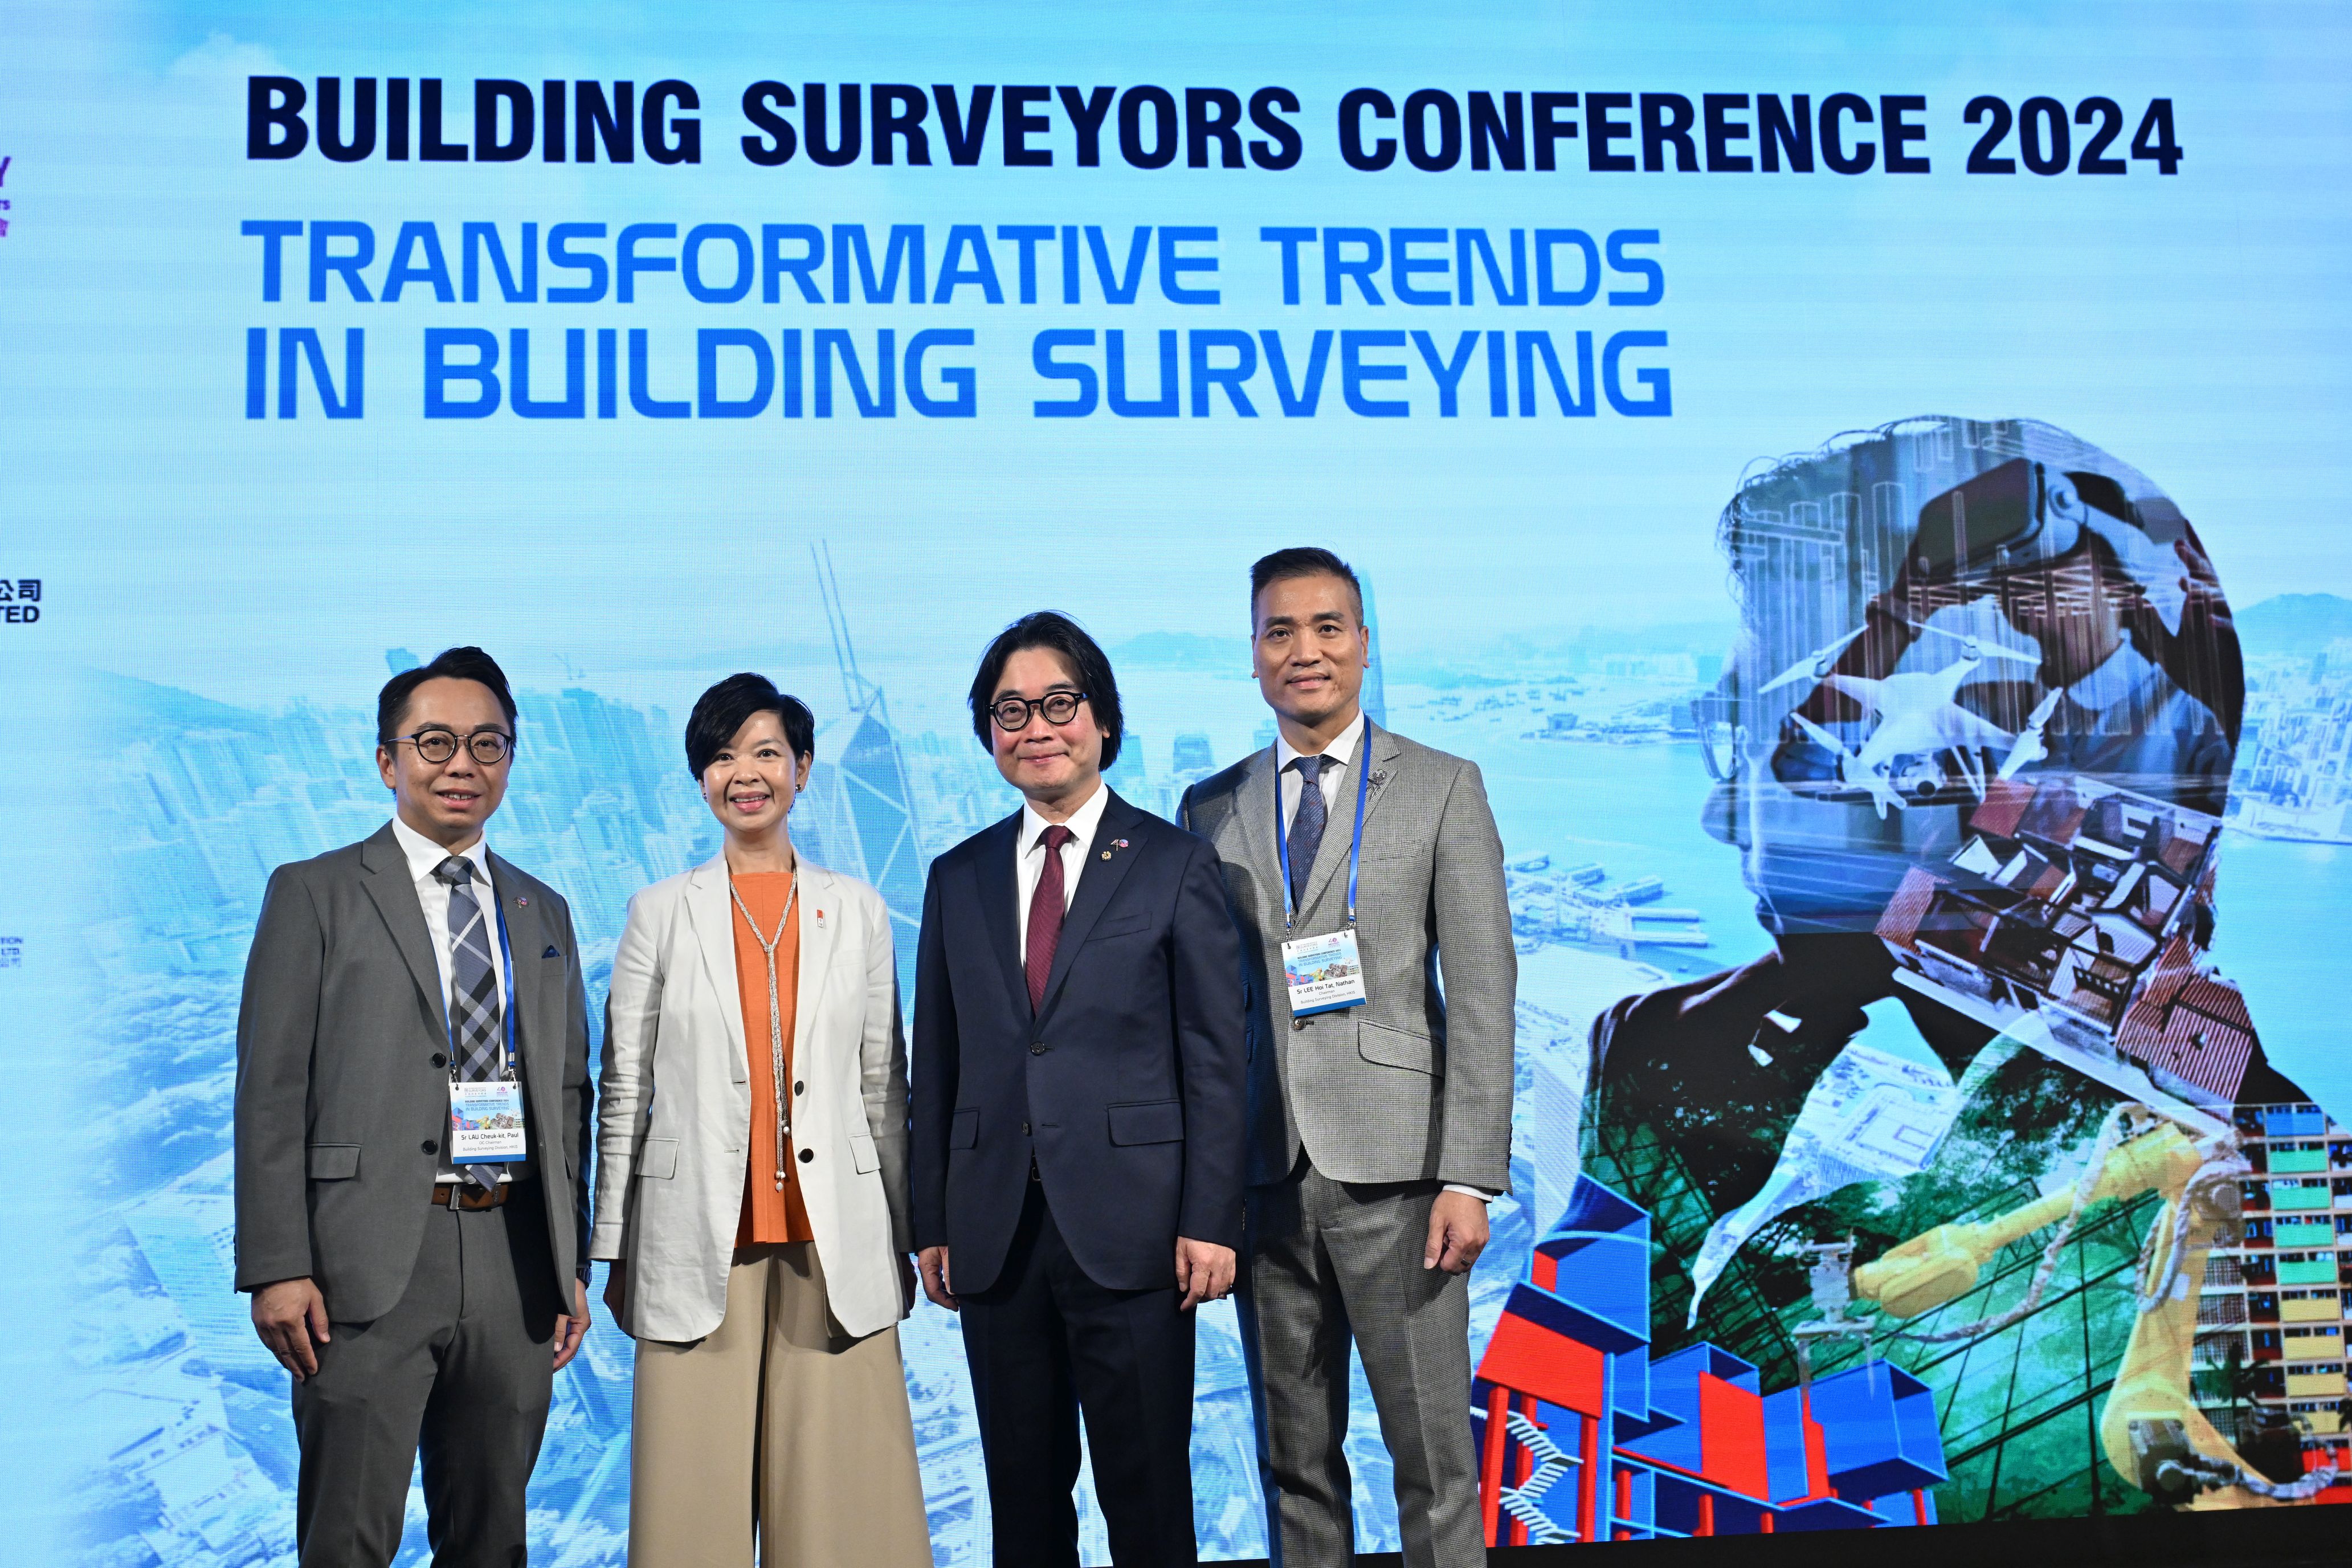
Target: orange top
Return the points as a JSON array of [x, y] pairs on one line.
[[769, 1216]]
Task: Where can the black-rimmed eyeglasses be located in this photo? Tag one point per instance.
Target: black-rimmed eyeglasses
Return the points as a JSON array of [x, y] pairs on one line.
[[437, 746], [1011, 713]]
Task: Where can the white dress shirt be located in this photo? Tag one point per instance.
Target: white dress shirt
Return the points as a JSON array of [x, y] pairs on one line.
[[433, 894], [1029, 864], [1337, 758]]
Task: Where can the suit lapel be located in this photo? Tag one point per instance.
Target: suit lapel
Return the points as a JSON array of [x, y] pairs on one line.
[[1331, 858], [820, 918], [1385, 752], [1254, 804], [711, 909], [1001, 894], [394, 893], [537, 999], [1098, 878]]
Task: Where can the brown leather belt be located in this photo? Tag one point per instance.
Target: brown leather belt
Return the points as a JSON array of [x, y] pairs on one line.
[[466, 1195]]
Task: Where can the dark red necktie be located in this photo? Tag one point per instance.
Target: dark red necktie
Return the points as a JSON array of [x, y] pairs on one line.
[[1045, 914]]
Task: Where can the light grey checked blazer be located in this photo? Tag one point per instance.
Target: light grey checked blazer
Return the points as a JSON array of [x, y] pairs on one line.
[[1415, 1085]]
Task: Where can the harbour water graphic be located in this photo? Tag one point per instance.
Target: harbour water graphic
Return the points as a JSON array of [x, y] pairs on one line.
[[1600, 828]]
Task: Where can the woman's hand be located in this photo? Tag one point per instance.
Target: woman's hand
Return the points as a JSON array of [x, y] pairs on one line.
[[617, 1288]]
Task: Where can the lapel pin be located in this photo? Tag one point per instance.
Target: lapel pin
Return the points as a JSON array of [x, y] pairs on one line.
[[521, 903], [1105, 854]]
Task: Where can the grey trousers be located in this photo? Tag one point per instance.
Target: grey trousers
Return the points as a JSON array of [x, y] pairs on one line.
[[1329, 1262], [462, 1367]]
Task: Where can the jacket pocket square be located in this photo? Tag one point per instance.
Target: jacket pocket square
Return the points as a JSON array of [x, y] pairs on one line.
[[552, 953]]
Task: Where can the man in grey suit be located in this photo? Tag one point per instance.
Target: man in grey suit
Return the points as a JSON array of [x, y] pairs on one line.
[[1379, 1105], [412, 1114]]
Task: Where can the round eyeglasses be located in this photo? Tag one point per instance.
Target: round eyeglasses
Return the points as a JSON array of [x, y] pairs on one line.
[[1011, 713], [436, 746]]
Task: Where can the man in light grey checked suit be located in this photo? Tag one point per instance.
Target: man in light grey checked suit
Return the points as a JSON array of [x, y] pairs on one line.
[[1379, 1127], [421, 1280]]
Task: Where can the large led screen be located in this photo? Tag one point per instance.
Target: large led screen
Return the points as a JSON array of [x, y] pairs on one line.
[[1861, 484]]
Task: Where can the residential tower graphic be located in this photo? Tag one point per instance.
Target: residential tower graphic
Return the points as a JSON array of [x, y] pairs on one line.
[[200, 1458]]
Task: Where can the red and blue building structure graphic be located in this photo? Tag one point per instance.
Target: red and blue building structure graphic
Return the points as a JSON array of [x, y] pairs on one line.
[[1583, 1436]]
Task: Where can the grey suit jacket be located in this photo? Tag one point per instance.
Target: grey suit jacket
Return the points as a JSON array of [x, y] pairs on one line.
[[341, 1108], [1414, 1085]]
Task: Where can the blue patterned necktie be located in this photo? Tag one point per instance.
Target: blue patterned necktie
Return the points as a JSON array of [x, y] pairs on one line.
[[1305, 827], [473, 1002]]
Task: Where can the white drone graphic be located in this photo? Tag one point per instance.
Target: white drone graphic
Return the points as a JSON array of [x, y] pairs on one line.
[[1919, 716]]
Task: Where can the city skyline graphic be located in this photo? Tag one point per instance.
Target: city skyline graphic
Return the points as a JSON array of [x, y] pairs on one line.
[[1870, 523], [201, 1463]]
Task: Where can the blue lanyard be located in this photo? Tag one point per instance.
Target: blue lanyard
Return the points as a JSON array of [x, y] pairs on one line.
[[506, 1014], [1355, 843]]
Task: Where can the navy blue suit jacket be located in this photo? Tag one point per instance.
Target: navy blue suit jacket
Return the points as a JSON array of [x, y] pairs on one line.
[[1129, 1085]]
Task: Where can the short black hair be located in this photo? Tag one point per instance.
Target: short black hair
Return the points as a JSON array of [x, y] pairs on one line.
[[1302, 561], [1052, 629], [728, 705], [468, 663]]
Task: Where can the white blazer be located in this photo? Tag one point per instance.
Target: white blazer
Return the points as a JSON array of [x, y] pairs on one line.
[[674, 1105]]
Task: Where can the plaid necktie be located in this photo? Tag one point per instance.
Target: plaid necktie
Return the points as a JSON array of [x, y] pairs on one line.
[[474, 1003], [1305, 827], [1046, 912]]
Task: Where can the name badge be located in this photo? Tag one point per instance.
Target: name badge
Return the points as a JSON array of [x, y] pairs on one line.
[[1324, 973], [486, 1121]]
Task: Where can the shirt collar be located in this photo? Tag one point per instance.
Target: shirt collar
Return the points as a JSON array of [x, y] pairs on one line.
[[1339, 754], [423, 855], [2123, 674], [1082, 823]]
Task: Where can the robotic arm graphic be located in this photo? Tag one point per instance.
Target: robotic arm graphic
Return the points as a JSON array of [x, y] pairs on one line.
[[2152, 1431]]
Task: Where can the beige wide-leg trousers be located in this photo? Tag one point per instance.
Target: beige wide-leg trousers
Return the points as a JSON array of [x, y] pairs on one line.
[[775, 1422]]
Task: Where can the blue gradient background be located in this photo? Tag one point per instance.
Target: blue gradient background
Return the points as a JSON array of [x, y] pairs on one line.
[[219, 595]]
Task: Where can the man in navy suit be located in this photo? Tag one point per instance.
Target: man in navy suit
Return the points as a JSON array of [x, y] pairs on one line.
[[1080, 1084]]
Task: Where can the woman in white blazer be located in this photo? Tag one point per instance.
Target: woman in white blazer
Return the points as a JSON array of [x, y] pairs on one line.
[[752, 1183]]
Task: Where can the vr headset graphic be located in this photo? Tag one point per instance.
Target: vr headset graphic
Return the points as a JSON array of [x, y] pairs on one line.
[[2021, 515]]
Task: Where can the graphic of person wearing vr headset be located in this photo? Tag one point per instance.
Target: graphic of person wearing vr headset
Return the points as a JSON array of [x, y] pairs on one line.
[[2101, 590], [2046, 611]]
